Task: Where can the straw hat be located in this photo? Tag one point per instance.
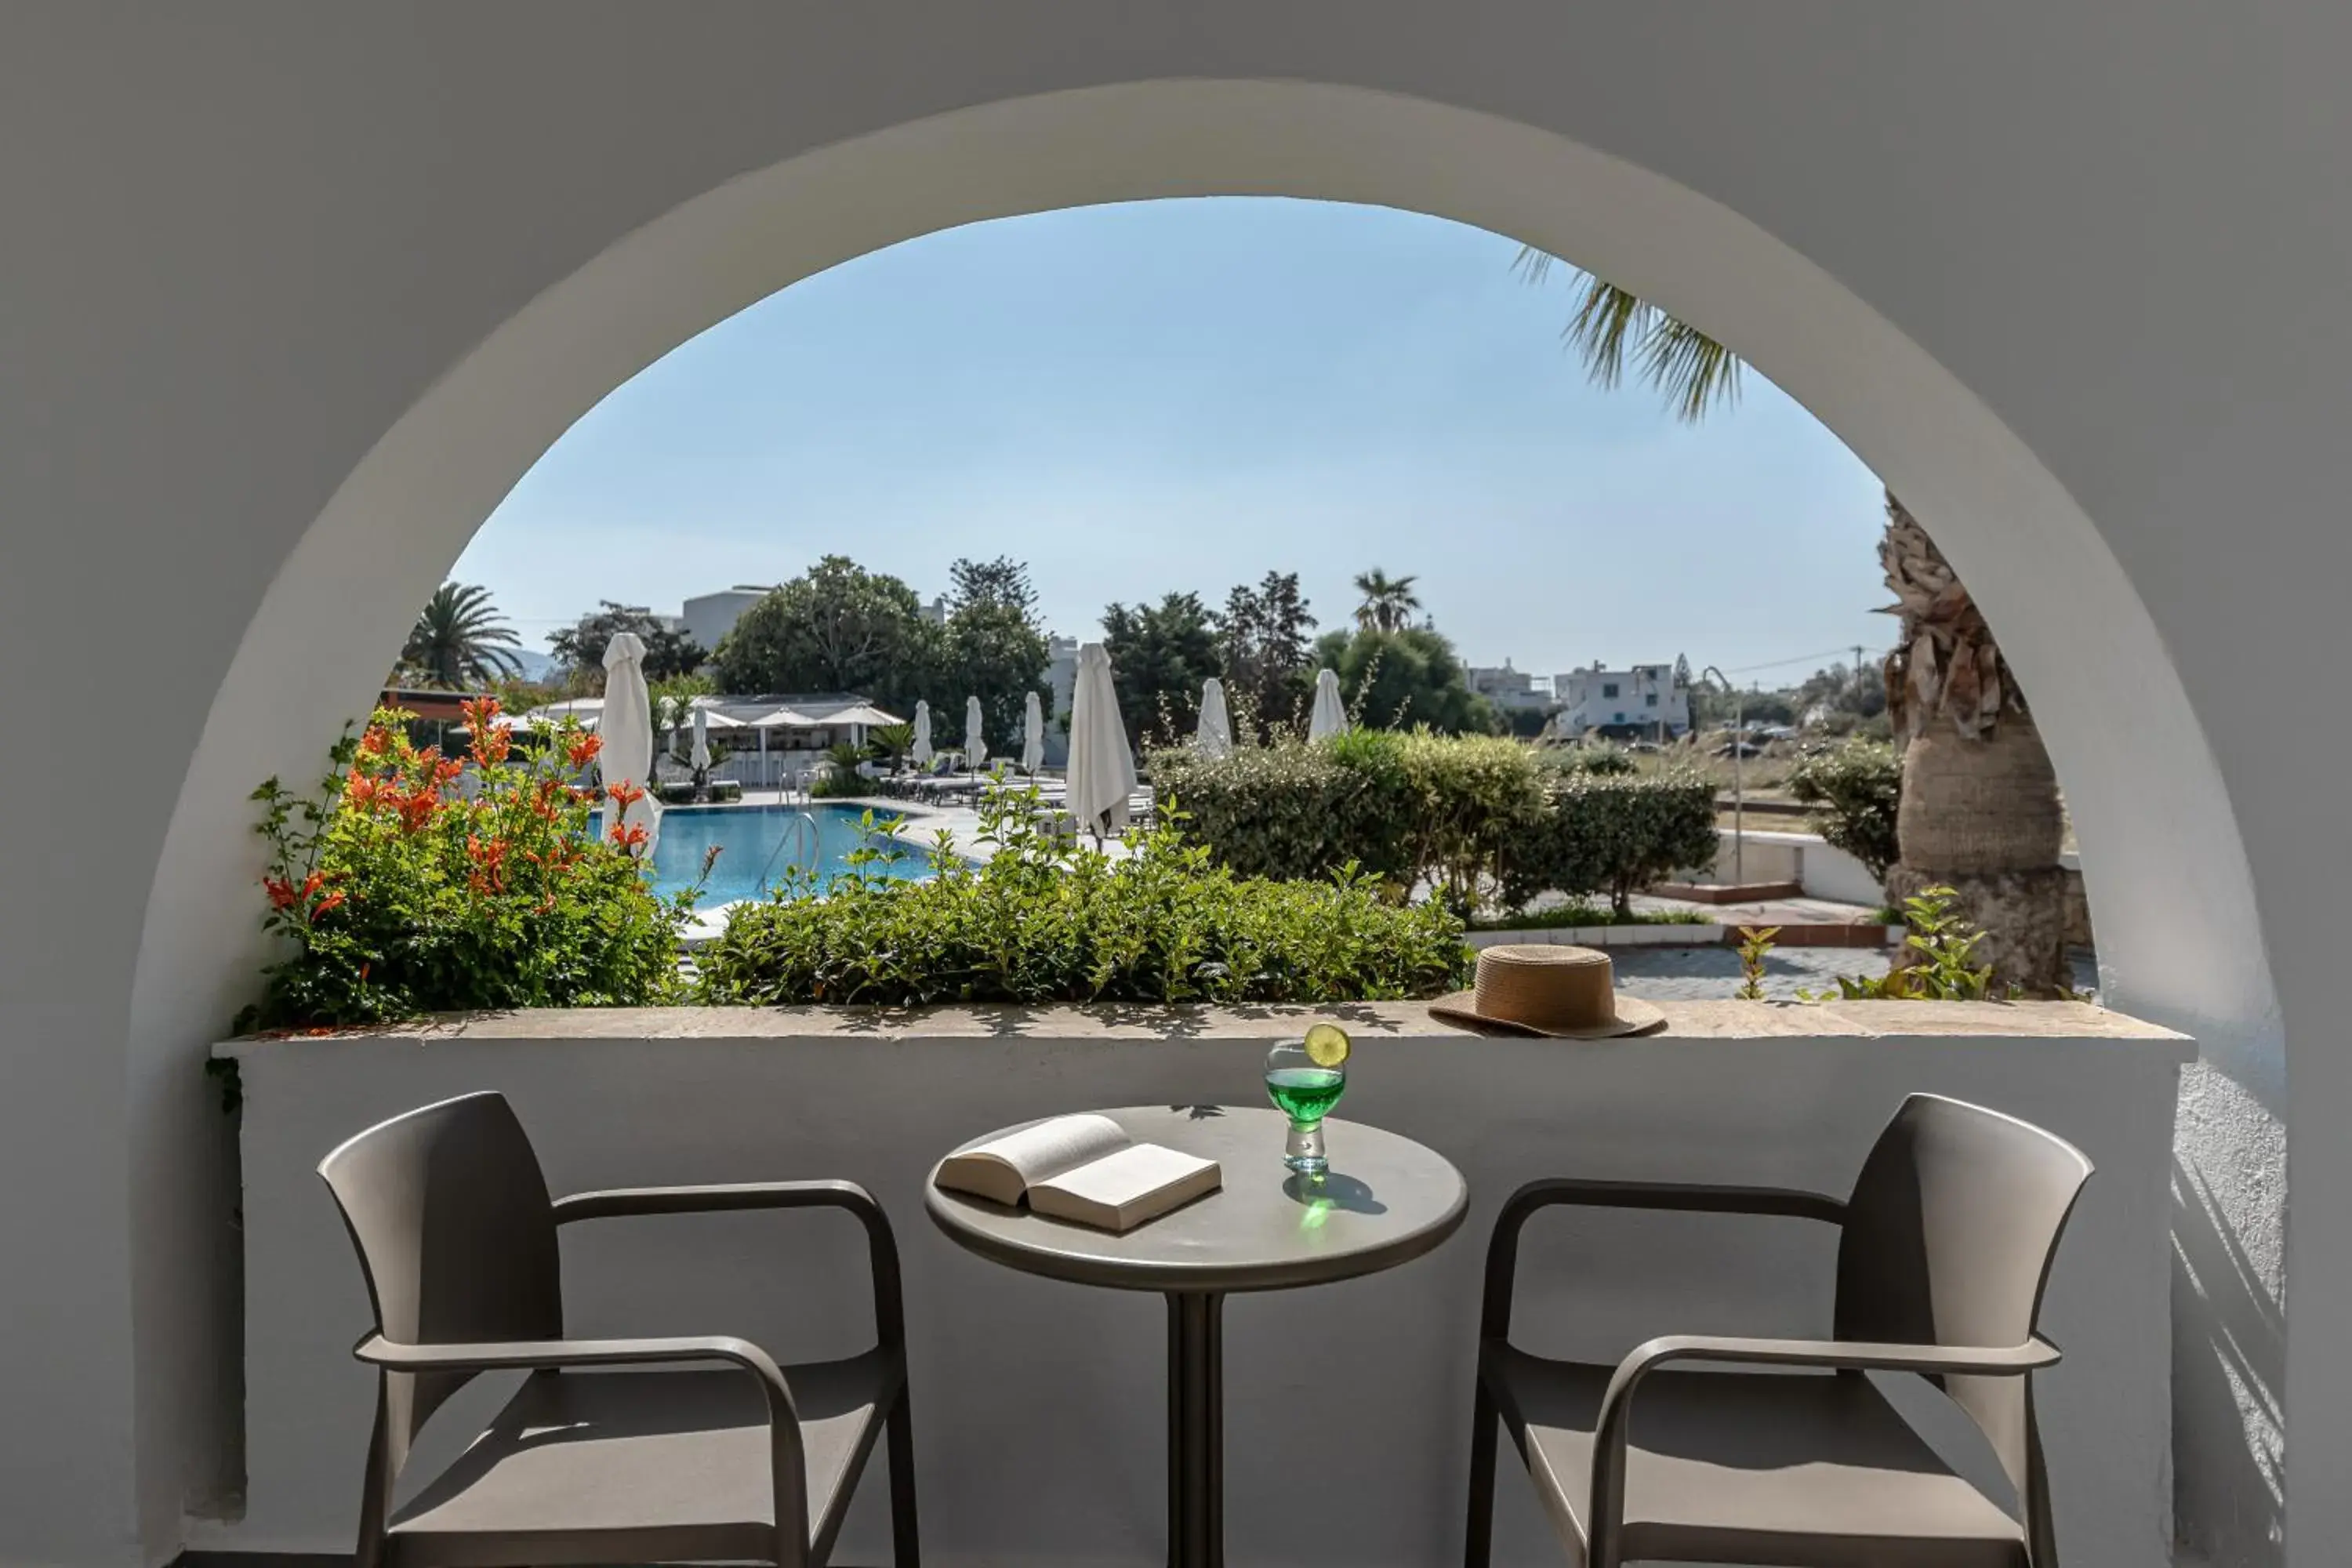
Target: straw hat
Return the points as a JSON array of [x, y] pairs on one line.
[[1566, 992]]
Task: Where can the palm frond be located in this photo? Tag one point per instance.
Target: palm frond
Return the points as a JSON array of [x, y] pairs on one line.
[[1613, 326]]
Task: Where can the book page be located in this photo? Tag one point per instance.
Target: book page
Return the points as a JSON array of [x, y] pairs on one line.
[[1126, 1186], [1052, 1146]]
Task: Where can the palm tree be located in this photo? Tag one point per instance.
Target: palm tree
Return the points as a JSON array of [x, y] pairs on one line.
[[1388, 602], [460, 640], [1981, 807]]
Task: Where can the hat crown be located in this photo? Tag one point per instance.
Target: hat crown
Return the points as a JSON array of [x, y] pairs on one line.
[[1548, 988]]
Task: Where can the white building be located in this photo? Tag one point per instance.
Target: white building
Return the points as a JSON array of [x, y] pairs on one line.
[[710, 616], [1062, 680], [1508, 687], [1645, 697]]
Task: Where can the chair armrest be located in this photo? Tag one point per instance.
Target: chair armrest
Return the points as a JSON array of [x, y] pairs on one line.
[[881, 1246], [1614, 1420], [788, 1464], [1689, 1197]]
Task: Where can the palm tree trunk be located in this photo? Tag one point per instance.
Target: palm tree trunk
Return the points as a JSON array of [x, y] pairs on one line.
[[1980, 810]]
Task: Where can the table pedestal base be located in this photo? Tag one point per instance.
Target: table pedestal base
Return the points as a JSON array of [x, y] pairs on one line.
[[1196, 1429]]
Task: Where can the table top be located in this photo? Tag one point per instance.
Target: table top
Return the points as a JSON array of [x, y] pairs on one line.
[[1386, 1201]]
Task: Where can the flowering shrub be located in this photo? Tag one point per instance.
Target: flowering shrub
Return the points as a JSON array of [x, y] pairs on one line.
[[409, 884], [1046, 922]]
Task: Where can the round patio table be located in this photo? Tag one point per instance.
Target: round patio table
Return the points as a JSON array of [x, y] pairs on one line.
[[1386, 1201]]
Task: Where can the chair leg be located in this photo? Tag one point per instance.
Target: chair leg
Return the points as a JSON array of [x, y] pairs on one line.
[[1478, 1534], [904, 1552]]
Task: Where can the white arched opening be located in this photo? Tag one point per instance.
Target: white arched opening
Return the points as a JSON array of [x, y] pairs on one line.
[[2133, 759]]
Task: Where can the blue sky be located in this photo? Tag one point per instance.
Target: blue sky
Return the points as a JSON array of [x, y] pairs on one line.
[[1186, 394]]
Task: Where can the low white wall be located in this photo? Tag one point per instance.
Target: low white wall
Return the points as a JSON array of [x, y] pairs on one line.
[[1822, 870], [1040, 1407]]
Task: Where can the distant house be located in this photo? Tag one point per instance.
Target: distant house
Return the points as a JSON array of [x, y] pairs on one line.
[[710, 616], [1511, 689], [1644, 701]]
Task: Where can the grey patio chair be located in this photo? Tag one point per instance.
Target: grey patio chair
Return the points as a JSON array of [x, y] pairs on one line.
[[1944, 1248], [722, 1455]]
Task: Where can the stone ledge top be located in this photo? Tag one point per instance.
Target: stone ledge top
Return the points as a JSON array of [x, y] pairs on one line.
[[1686, 1021]]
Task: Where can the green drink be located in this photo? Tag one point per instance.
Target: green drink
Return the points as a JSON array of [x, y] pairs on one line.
[[1305, 1079], [1305, 1094]]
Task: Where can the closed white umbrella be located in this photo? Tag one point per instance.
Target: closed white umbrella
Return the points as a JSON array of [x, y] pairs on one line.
[[1215, 736], [1033, 735], [701, 758], [975, 749], [1329, 715], [1102, 770], [627, 729], [922, 753]]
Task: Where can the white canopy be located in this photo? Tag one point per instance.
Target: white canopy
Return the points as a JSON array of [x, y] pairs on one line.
[[705, 714], [1331, 715], [1102, 770], [702, 757], [1215, 736], [864, 713], [922, 753], [975, 748], [628, 733], [1033, 734]]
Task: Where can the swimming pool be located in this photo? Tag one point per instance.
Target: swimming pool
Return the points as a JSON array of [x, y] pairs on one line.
[[753, 854]]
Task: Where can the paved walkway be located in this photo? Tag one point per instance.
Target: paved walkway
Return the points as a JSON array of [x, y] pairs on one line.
[[1712, 974]]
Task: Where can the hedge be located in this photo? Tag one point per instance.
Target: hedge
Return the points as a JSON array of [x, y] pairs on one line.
[[1045, 921], [1474, 819]]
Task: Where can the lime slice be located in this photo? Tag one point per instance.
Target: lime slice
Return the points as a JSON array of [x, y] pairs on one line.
[[1327, 1044]]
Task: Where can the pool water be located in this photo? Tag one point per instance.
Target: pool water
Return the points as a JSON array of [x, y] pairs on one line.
[[752, 855]]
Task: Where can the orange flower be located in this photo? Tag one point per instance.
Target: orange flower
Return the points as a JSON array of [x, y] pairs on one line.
[[329, 902], [630, 836], [281, 892], [417, 809], [582, 749], [626, 794], [490, 737], [446, 770], [376, 741], [359, 790]]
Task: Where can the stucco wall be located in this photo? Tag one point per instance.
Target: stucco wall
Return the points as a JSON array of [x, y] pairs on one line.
[[1040, 1406], [293, 294]]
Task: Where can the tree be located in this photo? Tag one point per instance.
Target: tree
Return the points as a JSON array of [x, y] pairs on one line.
[[580, 648], [1981, 808], [837, 627], [994, 652], [1159, 655], [1389, 604], [460, 642], [1002, 581], [1400, 680], [1264, 643]]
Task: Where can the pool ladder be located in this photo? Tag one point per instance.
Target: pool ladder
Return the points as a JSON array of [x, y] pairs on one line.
[[800, 837]]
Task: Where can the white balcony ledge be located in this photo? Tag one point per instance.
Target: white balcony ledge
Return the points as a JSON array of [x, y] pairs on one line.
[[1039, 1407]]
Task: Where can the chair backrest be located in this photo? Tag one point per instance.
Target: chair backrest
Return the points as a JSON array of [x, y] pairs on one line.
[[1948, 1240], [456, 1236]]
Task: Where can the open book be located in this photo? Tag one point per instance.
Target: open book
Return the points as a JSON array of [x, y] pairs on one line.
[[1082, 1168]]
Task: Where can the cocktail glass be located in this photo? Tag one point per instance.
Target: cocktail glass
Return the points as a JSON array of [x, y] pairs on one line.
[[1305, 1092]]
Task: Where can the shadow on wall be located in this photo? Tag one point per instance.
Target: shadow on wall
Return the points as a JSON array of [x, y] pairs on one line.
[[2229, 1356]]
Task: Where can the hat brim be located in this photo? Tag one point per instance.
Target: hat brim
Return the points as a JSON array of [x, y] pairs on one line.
[[1635, 1017]]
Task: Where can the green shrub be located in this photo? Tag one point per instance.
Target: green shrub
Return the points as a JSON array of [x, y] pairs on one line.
[[1603, 834], [1474, 820], [1857, 791], [1043, 922], [1292, 810], [1597, 757], [401, 897]]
